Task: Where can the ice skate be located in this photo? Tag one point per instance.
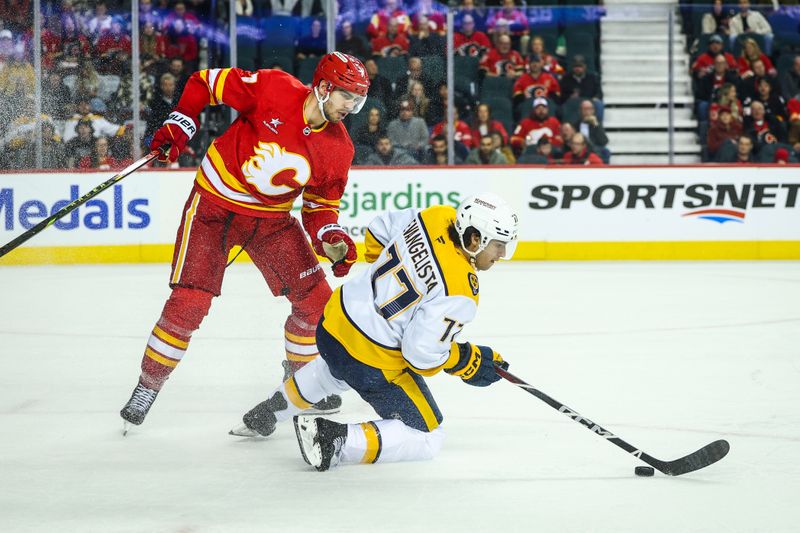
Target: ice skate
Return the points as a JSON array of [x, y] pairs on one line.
[[137, 407], [321, 440], [260, 421], [327, 406]]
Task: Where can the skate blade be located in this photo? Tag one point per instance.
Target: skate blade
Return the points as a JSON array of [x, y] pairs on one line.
[[319, 412], [305, 439], [246, 432]]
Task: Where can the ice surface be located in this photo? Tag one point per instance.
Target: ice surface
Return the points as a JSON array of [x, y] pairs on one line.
[[670, 356]]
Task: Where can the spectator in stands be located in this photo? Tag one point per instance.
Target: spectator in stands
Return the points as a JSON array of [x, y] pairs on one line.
[[407, 131], [486, 154], [793, 108], [709, 85], [484, 124], [463, 133], [182, 44], [503, 60], [180, 13], [790, 81], [99, 23], [579, 152], [774, 104], [51, 41], [17, 15], [723, 131], [704, 64], [551, 64], [437, 152], [748, 21], [75, 45], [426, 42], [350, 43], [501, 145], [388, 155], [540, 153], [390, 43], [415, 72], [743, 153], [727, 97], [114, 49], [82, 142], [469, 41], [781, 156], [100, 156], [152, 49], [369, 132], [748, 86], [751, 53], [314, 44], [19, 141], [590, 126], [99, 124], [379, 87], [435, 15], [762, 128], [536, 83], [146, 13], [87, 84], [53, 151], [379, 24], [178, 69], [164, 101], [478, 15], [416, 93], [536, 125], [717, 20], [580, 83], [515, 19], [6, 46], [56, 100]]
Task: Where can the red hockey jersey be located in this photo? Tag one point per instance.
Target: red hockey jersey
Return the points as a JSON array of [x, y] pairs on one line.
[[269, 155]]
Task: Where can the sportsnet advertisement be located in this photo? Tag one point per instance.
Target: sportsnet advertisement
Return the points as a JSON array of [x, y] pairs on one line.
[[565, 213]]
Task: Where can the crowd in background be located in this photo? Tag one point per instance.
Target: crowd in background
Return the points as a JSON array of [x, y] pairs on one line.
[[527, 88]]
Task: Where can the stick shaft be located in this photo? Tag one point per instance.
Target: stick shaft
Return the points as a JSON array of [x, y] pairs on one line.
[[77, 203]]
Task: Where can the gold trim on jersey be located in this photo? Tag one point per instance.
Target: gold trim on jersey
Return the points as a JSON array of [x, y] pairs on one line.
[[293, 393], [454, 267], [187, 232], [220, 84], [204, 76], [374, 444], [356, 342], [373, 247], [322, 201], [222, 171], [405, 381]]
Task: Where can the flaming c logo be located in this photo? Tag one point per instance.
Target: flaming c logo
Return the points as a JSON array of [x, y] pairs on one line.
[[270, 160]]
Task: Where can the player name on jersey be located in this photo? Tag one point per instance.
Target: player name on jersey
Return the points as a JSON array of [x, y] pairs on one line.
[[420, 255]]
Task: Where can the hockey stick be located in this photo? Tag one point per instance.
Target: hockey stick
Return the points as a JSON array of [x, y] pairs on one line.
[[77, 203], [707, 455]]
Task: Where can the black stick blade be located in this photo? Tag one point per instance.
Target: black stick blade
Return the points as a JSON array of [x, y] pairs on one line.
[[705, 456]]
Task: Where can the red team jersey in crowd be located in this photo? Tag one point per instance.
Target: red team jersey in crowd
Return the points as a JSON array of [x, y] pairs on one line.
[[502, 64], [270, 155], [473, 46], [543, 85]]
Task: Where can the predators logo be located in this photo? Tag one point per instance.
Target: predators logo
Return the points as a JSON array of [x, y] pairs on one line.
[[473, 283], [270, 160]]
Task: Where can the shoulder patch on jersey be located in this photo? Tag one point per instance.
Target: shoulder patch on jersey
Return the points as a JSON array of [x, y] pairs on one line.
[[473, 283]]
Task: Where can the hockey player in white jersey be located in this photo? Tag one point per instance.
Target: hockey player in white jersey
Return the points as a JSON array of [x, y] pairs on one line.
[[386, 329]]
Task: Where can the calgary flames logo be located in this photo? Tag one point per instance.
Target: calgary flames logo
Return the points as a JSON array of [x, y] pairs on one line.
[[269, 161]]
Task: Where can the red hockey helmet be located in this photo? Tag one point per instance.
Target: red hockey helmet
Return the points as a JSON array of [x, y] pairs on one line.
[[344, 72]]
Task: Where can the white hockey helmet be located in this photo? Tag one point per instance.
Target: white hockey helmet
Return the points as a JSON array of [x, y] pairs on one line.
[[492, 217]]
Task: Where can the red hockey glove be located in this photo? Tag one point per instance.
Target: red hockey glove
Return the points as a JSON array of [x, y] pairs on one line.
[[177, 130], [337, 246]]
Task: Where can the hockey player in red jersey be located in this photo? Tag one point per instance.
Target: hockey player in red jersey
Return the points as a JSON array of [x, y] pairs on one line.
[[288, 141]]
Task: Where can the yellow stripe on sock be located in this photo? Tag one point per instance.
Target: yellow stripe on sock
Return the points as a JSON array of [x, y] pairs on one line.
[[293, 393], [157, 357], [373, 450], [169, 339], [300, 358], [300, 340]]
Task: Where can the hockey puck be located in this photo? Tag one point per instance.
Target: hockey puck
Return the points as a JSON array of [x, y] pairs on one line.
[[644, 471]]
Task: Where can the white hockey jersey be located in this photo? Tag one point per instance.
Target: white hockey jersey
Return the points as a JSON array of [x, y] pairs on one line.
[[408, 307]]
